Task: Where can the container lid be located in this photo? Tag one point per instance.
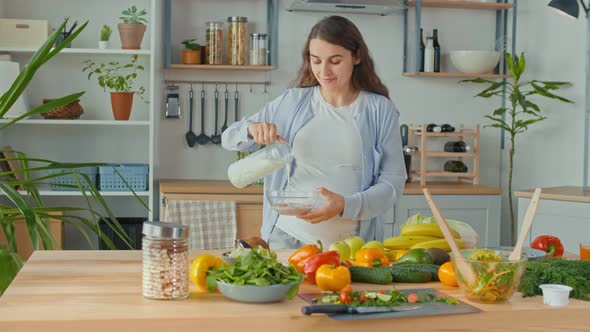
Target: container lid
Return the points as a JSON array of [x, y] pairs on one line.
[[214, 23], [237, 19], [164, 230], [258, 35]]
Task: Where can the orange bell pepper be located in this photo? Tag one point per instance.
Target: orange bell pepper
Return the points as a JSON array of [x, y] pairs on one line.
[[332, 277], [299, 257], [370, 257]]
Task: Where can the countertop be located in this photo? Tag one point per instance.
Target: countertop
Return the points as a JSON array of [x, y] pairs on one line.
[[568, 194], [101, 291], [225, 187]]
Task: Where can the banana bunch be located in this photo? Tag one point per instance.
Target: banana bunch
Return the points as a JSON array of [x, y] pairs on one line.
[[423, 236]]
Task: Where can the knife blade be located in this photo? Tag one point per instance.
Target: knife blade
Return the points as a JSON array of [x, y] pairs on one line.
[[341, 309]]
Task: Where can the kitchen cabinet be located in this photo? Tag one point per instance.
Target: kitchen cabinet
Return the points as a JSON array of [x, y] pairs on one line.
[[561, 211], [248, 200]]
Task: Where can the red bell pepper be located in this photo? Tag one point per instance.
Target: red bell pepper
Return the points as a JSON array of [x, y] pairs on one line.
[[549, 244], [313, 263]]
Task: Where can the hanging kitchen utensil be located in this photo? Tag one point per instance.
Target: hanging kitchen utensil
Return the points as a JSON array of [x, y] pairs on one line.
[[526, 224], [172, 102], [191, 137], [404, 133], [202, 138], [226, 98], [216, 138], [236, 94], [462, 265]]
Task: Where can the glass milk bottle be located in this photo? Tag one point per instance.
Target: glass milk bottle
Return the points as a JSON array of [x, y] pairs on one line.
[[258, 164]]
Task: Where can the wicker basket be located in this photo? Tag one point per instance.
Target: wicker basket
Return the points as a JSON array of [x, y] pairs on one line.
[[70, 111]]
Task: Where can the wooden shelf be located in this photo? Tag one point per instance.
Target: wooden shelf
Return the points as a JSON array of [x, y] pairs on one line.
[[458, 4], [79, 122], [453, 134], [456, 75], [446, 174], [78, 193], [77, 50], [220, 67], [450, 154]]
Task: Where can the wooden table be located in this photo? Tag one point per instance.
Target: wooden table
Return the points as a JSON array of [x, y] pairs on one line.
[[101, 291]]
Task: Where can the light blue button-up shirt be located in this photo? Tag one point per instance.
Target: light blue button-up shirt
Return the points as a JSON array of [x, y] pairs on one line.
[[382, 175]]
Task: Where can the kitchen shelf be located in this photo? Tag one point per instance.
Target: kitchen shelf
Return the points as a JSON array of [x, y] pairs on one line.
[[455, 75], [78, 51], [453, 134], [441, 154], [456, 4], [78, 122], [78, 193], [220, 67], [446, 174]]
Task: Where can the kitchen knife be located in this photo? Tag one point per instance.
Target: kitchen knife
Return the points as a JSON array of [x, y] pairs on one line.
[[347, 309]]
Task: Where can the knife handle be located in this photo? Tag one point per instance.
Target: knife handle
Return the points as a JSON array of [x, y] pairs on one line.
[[324, 309]]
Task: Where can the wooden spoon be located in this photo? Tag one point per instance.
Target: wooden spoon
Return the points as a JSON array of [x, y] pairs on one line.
[[526, 224], [462, 265]]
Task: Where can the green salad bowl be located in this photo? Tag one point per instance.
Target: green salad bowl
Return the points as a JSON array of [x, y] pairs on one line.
[[255, 294], [496, 277]]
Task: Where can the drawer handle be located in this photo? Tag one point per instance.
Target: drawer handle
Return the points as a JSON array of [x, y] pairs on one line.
[[23, 26]]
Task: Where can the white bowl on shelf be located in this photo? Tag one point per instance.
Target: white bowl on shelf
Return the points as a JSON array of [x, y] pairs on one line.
[[474, 61]]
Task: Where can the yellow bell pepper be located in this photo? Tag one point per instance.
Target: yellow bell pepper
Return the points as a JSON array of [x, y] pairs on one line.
[[199, 269], [331, 277], [370, 257]]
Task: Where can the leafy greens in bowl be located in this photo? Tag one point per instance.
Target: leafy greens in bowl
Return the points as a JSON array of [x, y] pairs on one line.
[[256, 276]]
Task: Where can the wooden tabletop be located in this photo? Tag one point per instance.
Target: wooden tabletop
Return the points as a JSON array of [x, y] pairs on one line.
[[225, 187], [568, 194], [101, 291]]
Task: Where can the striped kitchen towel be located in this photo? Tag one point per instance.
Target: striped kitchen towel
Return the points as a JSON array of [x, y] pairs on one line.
[[212, 224]]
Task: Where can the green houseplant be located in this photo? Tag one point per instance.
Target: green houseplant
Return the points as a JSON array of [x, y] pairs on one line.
[[191, 55], [120, 78], [105, 35], [27, 205], [520, 113], [132, 28]]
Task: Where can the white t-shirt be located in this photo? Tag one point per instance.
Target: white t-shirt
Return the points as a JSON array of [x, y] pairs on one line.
[[327, 152]]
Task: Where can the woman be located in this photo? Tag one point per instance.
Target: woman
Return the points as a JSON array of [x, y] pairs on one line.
[[344, 134]]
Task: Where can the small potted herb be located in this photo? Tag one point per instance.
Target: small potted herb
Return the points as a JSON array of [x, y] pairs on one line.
[[131, 30], [105, 35], [191, 55]]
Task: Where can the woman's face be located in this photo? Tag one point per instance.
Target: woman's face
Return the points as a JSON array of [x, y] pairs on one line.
[[331, 64]]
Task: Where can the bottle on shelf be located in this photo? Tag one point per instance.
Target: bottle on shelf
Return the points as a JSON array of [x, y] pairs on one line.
[[429, 56], [455, 166], [436, 46], [457, 146], [422, 46], [433, 128], [447, 128]]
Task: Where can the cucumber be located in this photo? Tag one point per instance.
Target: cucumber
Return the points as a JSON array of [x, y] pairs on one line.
[[370, 275], [415, 273]]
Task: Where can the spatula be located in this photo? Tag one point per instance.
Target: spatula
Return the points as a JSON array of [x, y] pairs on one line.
[[526, 224], [462, 265]]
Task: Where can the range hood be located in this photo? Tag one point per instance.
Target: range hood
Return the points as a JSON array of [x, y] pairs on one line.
[[372, 7]]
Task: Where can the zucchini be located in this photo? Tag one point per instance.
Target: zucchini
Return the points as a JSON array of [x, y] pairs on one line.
[[370, 275], [415, 273]]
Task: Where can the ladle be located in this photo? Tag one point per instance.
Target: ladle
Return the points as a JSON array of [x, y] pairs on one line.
[[216, 138], [226, 98], [202, 138], [191, 137]]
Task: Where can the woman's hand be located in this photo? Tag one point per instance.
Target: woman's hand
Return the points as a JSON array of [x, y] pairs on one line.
[[264, 133], [333, 207]]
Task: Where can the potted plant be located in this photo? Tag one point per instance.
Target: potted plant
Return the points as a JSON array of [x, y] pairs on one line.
[[27, 205], [119, 78], [105, 35], [520, 112], [132, 29], [191, 55]]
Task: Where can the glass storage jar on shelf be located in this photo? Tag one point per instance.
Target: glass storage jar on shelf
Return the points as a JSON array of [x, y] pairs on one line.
[[165, 261], [258, 49], [237, 34], [214, 43]]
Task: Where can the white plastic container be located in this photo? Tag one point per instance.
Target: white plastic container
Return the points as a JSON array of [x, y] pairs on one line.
[[556, 295], [260, 163]]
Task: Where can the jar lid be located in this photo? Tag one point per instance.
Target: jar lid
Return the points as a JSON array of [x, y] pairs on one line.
[[164, 230], [258, 35], [214, 23], [237, 19]]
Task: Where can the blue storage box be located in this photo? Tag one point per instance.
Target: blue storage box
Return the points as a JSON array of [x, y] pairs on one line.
[[70, 179], [136, 176]]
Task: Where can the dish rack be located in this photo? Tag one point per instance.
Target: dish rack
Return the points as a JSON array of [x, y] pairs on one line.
[[418, 136]]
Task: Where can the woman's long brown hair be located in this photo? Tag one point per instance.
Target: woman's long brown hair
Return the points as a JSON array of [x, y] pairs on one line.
[[340, 31]]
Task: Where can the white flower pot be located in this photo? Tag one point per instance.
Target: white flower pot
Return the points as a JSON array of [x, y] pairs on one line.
[[103, 44]]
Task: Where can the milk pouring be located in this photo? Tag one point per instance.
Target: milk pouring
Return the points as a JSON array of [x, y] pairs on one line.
[[260, 163]]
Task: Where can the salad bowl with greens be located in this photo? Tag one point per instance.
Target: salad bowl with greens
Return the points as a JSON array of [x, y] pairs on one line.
[[496, 277]]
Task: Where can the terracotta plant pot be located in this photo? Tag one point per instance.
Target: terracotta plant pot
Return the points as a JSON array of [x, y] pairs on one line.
[[131, 35], [121, 103], [190, 57]]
